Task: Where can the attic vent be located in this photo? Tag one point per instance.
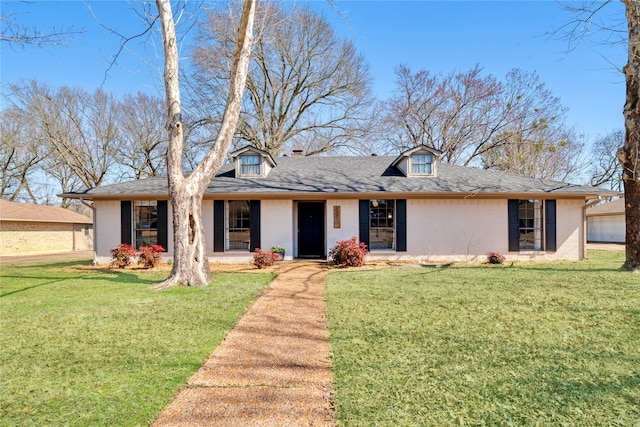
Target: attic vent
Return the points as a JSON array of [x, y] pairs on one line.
[[297, 153]]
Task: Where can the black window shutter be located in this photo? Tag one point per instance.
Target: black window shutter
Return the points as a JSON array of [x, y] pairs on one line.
[[550, 226], [364, 221], [254, 226], [125, 221], [401, 225], [514, 229], [218, 225], [163, 224]]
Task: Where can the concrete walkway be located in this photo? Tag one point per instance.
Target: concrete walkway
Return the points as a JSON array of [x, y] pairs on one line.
[[273, 368]]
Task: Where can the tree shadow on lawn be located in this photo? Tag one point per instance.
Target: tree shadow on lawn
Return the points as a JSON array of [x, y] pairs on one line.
[[108, 275]]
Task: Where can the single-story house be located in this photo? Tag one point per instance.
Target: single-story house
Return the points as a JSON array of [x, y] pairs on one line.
[[27, 229], [409, 207], [606, 222]]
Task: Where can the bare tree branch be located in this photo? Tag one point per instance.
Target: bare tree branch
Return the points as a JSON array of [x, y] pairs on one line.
[[14, 33]]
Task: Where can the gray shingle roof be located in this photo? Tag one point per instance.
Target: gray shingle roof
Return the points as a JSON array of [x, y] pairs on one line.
[[615, 207], [349, 175]]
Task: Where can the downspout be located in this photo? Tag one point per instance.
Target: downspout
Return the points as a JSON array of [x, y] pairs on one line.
[[95, 234]]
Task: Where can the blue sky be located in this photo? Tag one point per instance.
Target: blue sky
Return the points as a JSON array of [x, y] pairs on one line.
[[440, 36]]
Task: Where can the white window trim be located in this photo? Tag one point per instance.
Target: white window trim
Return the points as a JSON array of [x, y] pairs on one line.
[[134, 220], [392, 249], [410, 168], [538, 228], [260, 165], [227, 228]]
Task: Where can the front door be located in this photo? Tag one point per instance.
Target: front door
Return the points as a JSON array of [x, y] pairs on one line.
[[311, 230]]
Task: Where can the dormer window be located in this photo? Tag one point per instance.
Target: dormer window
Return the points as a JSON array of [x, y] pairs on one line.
[[420, 161], [421, 164], [250, 165], [251, 162]]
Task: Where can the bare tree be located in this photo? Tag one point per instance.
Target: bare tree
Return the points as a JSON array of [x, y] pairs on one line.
[[78, 129], [19, 157], [14, 33], [606, 170], [143, 140], [629, 154], [451, 113], [555, 154], [190, 261], [622, 31], [516, 125], [306, 87]]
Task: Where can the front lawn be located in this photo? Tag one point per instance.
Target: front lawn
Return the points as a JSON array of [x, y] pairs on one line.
[[528, 344], [82, 346]]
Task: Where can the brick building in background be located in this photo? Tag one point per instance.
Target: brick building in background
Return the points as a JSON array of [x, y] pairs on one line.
[[27, 229]]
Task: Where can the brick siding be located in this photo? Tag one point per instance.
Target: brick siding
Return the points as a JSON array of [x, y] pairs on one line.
[[29, 238]]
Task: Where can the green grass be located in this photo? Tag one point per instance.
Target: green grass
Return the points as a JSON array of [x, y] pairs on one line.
[[81, 346], [529, 344]]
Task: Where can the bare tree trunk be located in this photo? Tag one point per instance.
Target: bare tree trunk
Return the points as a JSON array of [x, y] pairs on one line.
[[190, 260], [629, 154]]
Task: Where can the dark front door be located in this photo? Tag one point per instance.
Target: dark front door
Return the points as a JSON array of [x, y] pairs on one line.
[[311, 230]]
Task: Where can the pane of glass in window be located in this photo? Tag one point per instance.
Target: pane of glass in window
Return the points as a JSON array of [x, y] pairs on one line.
[[421, 163], [145, 217], [250, 165], [381, 224], [530, 224], [238, 225]]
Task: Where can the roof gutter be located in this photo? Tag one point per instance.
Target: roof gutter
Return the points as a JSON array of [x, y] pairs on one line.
[[322, 195]]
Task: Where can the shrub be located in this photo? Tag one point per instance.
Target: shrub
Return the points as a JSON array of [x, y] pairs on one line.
[[349, 253], [278, 253], [121, 256], [262, 259], [150, 255], [495, 258]]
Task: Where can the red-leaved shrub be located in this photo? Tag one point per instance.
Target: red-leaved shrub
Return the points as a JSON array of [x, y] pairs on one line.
[[121, 256], [262, 259], [349, 253], [150, 256], [495, 258]]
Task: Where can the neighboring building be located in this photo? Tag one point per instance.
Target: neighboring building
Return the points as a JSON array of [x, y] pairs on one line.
[[606, 222], [27, 229], [408, 207]]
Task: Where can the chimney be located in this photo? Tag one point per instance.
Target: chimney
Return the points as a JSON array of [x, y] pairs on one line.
[[297, 153]]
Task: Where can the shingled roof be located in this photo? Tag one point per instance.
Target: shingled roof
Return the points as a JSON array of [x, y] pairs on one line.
[[615, 207], [349, 176], [13, 211]]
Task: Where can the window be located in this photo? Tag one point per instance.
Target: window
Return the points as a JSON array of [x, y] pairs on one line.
[[238, 229], [421, 164], [145, 223], [249, 165], [381, 225], [530, 224]]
